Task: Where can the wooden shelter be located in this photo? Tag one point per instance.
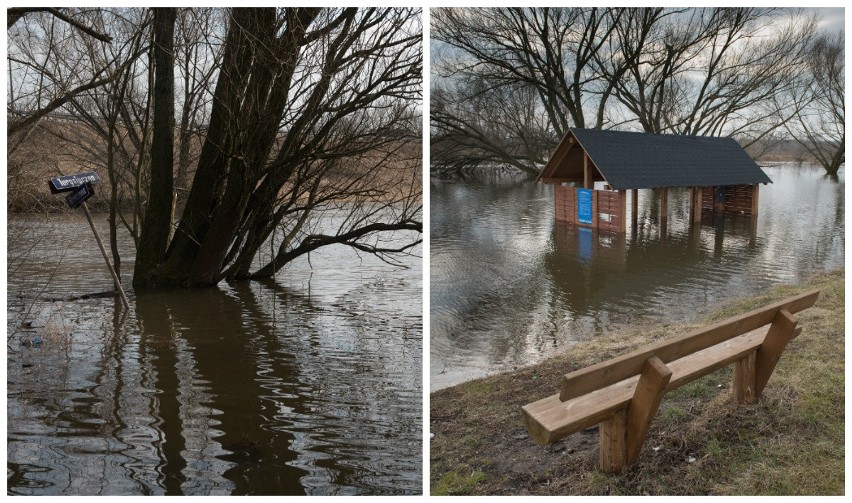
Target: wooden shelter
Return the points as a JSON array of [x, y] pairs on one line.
[[719, 174]]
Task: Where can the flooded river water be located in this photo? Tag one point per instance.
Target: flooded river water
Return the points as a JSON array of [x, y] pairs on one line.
[[511, 286], [307, 384]]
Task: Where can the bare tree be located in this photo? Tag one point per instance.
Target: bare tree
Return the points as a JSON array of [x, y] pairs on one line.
[[154, 236], [497, 57], [45, 92], [708, 71], [109, 132], [819, 125], [299, 92], [305, 121], [711, 71], [197, 57], [502, 126]]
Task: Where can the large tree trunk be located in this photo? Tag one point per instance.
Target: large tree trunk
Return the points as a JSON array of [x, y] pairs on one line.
[[239, 139], [154, 238], [249, 100]]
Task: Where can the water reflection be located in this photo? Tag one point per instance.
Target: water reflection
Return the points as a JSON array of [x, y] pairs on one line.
[[204, 364], [255, 389], [510, 286]]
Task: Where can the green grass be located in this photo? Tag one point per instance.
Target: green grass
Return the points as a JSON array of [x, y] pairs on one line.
[[455, 483]]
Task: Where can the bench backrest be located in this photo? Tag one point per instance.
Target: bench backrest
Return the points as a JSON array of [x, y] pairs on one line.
[[603, 374]]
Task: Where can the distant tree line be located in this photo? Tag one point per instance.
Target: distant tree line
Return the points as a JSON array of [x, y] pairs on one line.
[[245, 137], [509, 82]]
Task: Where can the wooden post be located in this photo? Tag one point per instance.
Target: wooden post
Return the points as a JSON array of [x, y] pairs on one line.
[[588, 182], [594, 209], [635, 208], [694, 204], [664, 203], [719, 207], [745, 390], [646, 400], [622, 210], [613, 442], [779, 334], [754, 199], [115, 279]]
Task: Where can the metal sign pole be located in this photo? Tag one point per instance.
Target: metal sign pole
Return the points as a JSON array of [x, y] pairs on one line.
[[106, 258], [79, 188]]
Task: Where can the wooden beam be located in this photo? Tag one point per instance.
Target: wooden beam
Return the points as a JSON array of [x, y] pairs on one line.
[[664, 203], [743, 383], [719, 207], [646, 400], [594, 208], [584, 380], [561, 180], [588, 182], [613, 442], [694, 206], [780, 333], [622, 211]]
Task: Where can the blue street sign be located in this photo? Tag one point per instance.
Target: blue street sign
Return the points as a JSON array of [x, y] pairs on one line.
[[65, 183], [79, 196]]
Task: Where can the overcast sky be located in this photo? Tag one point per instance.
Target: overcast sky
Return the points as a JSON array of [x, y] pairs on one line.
[[832, 18]]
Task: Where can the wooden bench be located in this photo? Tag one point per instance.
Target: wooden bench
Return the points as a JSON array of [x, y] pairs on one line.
[[623, 394]]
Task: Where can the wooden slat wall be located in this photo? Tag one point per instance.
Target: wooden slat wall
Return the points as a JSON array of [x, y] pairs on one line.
[[738, 199], [707, 196], [565, 199], [603, 201], [610, 202]]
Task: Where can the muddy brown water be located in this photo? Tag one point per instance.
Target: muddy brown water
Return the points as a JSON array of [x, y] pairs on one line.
[[510, 286], [307, 384]]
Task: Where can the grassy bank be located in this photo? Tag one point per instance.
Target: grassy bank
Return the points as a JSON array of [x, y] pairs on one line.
[[700, 442]]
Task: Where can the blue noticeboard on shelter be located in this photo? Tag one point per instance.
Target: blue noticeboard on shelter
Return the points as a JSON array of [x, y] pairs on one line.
[[584, 206]]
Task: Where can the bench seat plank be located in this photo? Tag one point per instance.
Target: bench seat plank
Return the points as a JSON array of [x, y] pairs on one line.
[[551, 419]]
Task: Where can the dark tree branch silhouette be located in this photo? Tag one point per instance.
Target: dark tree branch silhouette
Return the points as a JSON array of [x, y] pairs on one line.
[[296, 128], [708, 71], [820, 119]]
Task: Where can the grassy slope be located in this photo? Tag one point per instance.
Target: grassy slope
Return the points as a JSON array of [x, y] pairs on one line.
[[700, 442]]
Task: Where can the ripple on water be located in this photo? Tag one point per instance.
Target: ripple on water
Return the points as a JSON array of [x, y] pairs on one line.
[[311, 384]]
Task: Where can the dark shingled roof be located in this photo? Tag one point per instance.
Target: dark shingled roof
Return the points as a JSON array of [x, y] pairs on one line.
[[629, 160]]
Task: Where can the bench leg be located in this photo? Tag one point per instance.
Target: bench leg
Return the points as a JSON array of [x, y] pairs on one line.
[[745, 390], [646, 400], [780, 333], [622, 434], [613, 442]]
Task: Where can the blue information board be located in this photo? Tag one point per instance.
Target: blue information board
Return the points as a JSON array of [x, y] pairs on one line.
[[584, 206]]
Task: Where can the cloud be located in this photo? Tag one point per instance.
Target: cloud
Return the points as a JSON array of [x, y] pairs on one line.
[[832, 19]]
